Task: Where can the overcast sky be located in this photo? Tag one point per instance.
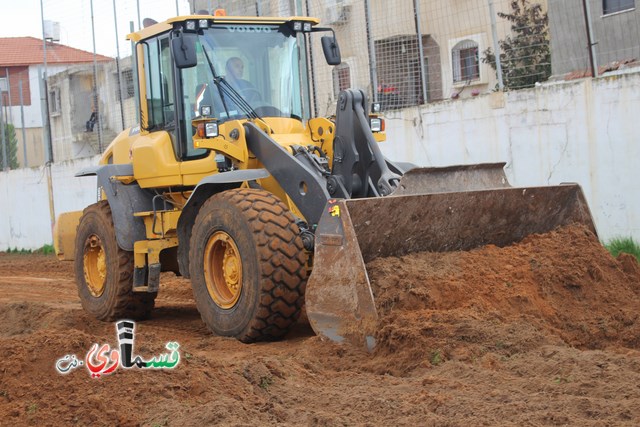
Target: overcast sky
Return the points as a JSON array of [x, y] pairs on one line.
[[22, 18]]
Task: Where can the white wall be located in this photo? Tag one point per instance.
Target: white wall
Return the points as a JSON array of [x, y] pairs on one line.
[[582, 131], [24, 213]]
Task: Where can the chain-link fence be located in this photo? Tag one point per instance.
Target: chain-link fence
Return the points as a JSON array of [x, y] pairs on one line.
[[402, 53]]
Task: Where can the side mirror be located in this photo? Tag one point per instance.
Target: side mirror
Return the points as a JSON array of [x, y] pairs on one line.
[[331, 50], [183, 47]]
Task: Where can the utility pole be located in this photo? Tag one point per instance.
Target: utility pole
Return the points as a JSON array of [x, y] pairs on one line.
[[115, 24], [4, 139], [10, 115], [373, 71], [95, 82], [24, 134], [139, 22], [47, 128], [423, 72], [496, 44], [593, 59]]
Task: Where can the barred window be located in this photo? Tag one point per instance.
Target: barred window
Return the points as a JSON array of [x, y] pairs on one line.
[[465, 61], [400, 74]]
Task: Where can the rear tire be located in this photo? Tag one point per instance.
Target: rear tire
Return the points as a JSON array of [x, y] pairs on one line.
[[104, 272], [247, 265]]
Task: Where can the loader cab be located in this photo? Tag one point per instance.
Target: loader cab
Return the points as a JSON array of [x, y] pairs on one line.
[[186, 74]]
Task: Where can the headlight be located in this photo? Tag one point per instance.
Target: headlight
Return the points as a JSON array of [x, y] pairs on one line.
[[297, 26], [376, 107], [203, 23], [377, 124], [211, 130], [205, 110], [190, 25]]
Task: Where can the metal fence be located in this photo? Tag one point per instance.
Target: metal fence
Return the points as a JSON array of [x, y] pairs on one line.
[[402, 53]]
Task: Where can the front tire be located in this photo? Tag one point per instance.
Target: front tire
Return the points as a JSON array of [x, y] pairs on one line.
[[104, 272], [247, 265]]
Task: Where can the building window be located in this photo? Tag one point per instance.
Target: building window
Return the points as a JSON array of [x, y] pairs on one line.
[[613, 6], [341, 78], [54, 101], [465, 61], [400, 74], [128, 90]]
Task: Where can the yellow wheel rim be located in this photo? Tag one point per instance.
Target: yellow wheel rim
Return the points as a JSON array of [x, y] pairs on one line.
[[95, 266], [223, 270]]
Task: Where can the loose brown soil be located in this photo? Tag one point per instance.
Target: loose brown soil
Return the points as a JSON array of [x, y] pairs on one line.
[[545, 332]]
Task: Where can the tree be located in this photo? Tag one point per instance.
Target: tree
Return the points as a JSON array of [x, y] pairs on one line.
[[525, 54], [12, 147]]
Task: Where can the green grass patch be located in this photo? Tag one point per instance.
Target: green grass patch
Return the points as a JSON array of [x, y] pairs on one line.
[[46, 250], [623, 244], [436, 358], [265, 382], [18, 251]]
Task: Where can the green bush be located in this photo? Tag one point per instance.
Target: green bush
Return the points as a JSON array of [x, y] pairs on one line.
[[47, 250]]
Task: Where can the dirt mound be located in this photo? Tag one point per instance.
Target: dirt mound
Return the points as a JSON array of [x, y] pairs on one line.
[[472, 340], [559, 287], [23, 318]]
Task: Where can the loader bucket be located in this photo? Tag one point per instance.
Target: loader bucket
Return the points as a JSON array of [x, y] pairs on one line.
[[434, 209]]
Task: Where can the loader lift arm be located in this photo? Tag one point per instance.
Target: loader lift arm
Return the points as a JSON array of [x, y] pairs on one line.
[[359, 167]]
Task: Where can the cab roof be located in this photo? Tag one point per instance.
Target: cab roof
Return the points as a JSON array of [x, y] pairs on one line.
[[164, 26]]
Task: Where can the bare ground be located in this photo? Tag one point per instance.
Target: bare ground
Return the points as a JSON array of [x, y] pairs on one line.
[[545, 332]]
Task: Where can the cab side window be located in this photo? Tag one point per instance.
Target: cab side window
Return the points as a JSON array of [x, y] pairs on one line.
[[159, 77], [197, 89]]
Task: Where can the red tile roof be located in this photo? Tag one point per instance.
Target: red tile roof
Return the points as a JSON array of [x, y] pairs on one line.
[[16, 51]]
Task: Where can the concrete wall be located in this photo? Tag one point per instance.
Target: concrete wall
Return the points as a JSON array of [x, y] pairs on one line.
[[25, 222], [580, 131]]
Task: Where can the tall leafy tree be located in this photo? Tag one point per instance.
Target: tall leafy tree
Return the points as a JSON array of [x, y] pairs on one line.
[[12, 147], [525, 54]]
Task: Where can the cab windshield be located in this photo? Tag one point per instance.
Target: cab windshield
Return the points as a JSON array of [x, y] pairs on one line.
[[260, 63]]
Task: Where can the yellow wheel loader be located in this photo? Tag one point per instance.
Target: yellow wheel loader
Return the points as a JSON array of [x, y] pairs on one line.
[[230, 182]]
